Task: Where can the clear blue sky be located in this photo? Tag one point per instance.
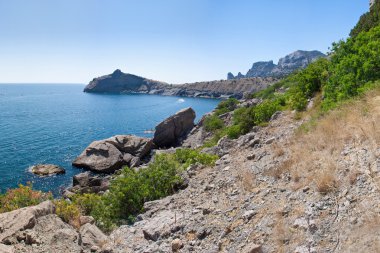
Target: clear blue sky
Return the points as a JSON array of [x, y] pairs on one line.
[[175, 41]]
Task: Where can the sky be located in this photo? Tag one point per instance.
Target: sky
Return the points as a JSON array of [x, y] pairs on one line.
[[176, 41]]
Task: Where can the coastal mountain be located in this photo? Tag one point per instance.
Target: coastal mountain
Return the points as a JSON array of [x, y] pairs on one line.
[[286, 65], [119, 82], [260, 76]]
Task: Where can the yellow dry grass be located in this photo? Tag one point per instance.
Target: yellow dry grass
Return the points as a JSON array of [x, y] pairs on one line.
[[314, 154]]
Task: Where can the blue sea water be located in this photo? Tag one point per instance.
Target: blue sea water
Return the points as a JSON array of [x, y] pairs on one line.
[[42, 123]]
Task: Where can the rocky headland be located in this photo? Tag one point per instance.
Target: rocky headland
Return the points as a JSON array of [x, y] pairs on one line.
[[122, 83], [259, 77]]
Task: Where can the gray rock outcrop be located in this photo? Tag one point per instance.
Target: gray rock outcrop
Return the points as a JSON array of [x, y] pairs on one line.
[[47, 169], [37, 229], [22, 219], [173, 129], [286, 65], [112, 154], [100, 156], [92, 236]]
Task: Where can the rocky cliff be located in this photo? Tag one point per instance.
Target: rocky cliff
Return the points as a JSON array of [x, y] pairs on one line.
[[286, 65], [119, 82]]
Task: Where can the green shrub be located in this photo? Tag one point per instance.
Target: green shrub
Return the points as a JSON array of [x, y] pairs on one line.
[[22, 196], [186, 157], [68, 211], [226, 106], [265, 110], [245, 118], [233, 132], [86, 202], [131, 189], [213, 123], [354, 63]]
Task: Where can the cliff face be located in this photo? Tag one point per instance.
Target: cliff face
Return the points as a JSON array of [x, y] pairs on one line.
[[119, 82], [288, 64]]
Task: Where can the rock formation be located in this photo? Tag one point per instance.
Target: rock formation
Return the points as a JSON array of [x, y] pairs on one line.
[[22, 219], [170, 131], [47, 169], [85, 183], [297, 60], [111, 154], [38, 229], [119, 82]]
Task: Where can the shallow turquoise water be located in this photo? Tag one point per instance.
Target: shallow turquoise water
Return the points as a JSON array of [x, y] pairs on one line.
[[54, 123]]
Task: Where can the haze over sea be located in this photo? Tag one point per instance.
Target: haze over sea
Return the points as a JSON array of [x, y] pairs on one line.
[[42, 123]]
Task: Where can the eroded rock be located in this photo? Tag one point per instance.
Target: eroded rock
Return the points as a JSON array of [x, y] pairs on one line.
[[170, 131], [22, 219], [112, 154], [92, 236]]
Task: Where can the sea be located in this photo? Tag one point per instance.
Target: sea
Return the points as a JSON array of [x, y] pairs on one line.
[[54, 123]]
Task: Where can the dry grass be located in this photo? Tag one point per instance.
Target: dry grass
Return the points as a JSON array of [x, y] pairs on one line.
[[280, 170], [325, 181], [353, 176], [314, 153], [281, 234], [278, 150], [247, 179]]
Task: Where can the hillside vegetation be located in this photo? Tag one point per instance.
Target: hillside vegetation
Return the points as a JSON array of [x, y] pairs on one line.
[[352, 67], [307, 182]]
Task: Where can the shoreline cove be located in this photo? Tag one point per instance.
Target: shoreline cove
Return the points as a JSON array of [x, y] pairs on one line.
[[43, 123]]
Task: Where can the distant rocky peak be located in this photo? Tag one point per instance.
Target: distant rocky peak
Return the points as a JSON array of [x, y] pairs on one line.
[[117, 73], [299, 59], [230, 76], [286, 65]]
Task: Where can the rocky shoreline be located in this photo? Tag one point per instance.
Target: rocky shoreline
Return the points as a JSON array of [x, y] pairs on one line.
[[259, 77], [252, 200], [122, 83]]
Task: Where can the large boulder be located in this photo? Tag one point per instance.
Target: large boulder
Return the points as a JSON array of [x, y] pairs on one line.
[[112, 154], [92, 236], [47, 170], [100, 156], [50, 234], [22, 219], [131, 144], [173, 129]]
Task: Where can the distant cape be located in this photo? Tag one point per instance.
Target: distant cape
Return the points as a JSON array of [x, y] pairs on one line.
[[122, 83], [259, 77]]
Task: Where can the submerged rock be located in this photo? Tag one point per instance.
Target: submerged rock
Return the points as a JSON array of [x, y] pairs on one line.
[[170, 131], [47, 169]]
